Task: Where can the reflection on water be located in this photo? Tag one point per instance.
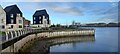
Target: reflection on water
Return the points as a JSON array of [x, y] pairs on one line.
[[106, 40], [70, 44], [71, 40]]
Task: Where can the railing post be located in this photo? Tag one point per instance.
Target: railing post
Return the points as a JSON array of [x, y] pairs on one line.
[[18, 32], [25, 31], [6, 35], [21, 32], [15, 33], [11, 34]]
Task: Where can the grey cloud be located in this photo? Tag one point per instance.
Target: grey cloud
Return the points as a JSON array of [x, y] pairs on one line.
[[111, 15], [59, 0], [68, 10]]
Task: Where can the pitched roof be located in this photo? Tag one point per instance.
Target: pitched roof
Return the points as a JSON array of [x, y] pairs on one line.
[[40, 12], [9, 8]]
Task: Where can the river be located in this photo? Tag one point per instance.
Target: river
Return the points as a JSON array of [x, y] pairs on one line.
[[106, 40]]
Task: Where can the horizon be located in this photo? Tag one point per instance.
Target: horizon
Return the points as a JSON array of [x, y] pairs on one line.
[[66, 12]]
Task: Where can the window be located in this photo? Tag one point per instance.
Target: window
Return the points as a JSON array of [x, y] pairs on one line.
[[45, 22], [2, 21], [46, 17], [11, 15], [12, 21], [43, 16], [18, 15], [11, 26], [40, 17], [20, 21], [39, 21], [34, 18], [3, 26], [20, 26], [34, 21]]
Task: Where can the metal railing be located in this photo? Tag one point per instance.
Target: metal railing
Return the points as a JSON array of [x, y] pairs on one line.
[[14, 34]]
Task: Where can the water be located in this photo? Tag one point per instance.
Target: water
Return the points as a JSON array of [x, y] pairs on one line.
[[106, 40]]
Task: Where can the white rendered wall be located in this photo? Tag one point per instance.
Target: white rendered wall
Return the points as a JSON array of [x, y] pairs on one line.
[[2, 16]]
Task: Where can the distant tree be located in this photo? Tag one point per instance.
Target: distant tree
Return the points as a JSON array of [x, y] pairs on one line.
[[53, 25], [58, 25]]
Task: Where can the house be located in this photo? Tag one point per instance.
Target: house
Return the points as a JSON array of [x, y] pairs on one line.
[[41, 19], [2, 19], [14, 19], [26, 23]]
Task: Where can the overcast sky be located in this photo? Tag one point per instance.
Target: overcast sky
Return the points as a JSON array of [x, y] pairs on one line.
[[66, 12]]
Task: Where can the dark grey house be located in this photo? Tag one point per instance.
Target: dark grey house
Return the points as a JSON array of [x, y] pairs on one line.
[[14, 18], [41, 18], [11, 13]]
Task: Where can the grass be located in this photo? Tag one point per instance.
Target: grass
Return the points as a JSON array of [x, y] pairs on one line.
[[2, 33]]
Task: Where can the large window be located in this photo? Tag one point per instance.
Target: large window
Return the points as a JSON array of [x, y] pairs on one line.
[[20, 21], [39, 21], [18, 15]]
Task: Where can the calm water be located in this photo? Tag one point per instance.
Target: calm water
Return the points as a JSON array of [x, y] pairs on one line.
[[106, 40]]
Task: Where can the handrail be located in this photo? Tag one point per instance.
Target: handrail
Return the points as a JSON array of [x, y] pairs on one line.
[[13, 34]]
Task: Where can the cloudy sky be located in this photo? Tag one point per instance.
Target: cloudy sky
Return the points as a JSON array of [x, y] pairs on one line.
[[66, 12]]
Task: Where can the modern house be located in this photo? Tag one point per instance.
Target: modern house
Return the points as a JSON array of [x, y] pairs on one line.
[[26, 23], [2, 19], [14, 19], [41, 19]]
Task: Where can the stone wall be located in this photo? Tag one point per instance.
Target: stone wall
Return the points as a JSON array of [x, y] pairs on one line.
[[19, 44]]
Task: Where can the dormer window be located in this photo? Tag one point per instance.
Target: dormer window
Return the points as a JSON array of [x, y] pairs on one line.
[[18, 15], [11, 15]]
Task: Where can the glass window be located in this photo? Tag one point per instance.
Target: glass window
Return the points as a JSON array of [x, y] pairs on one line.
[[40, 17], [11, 15], [2, 20], [11, 26], [12, 21], [34, 21], [18, 15], [34, 18], [20, 26], [45, 22], [43, 16], [20, 21]]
